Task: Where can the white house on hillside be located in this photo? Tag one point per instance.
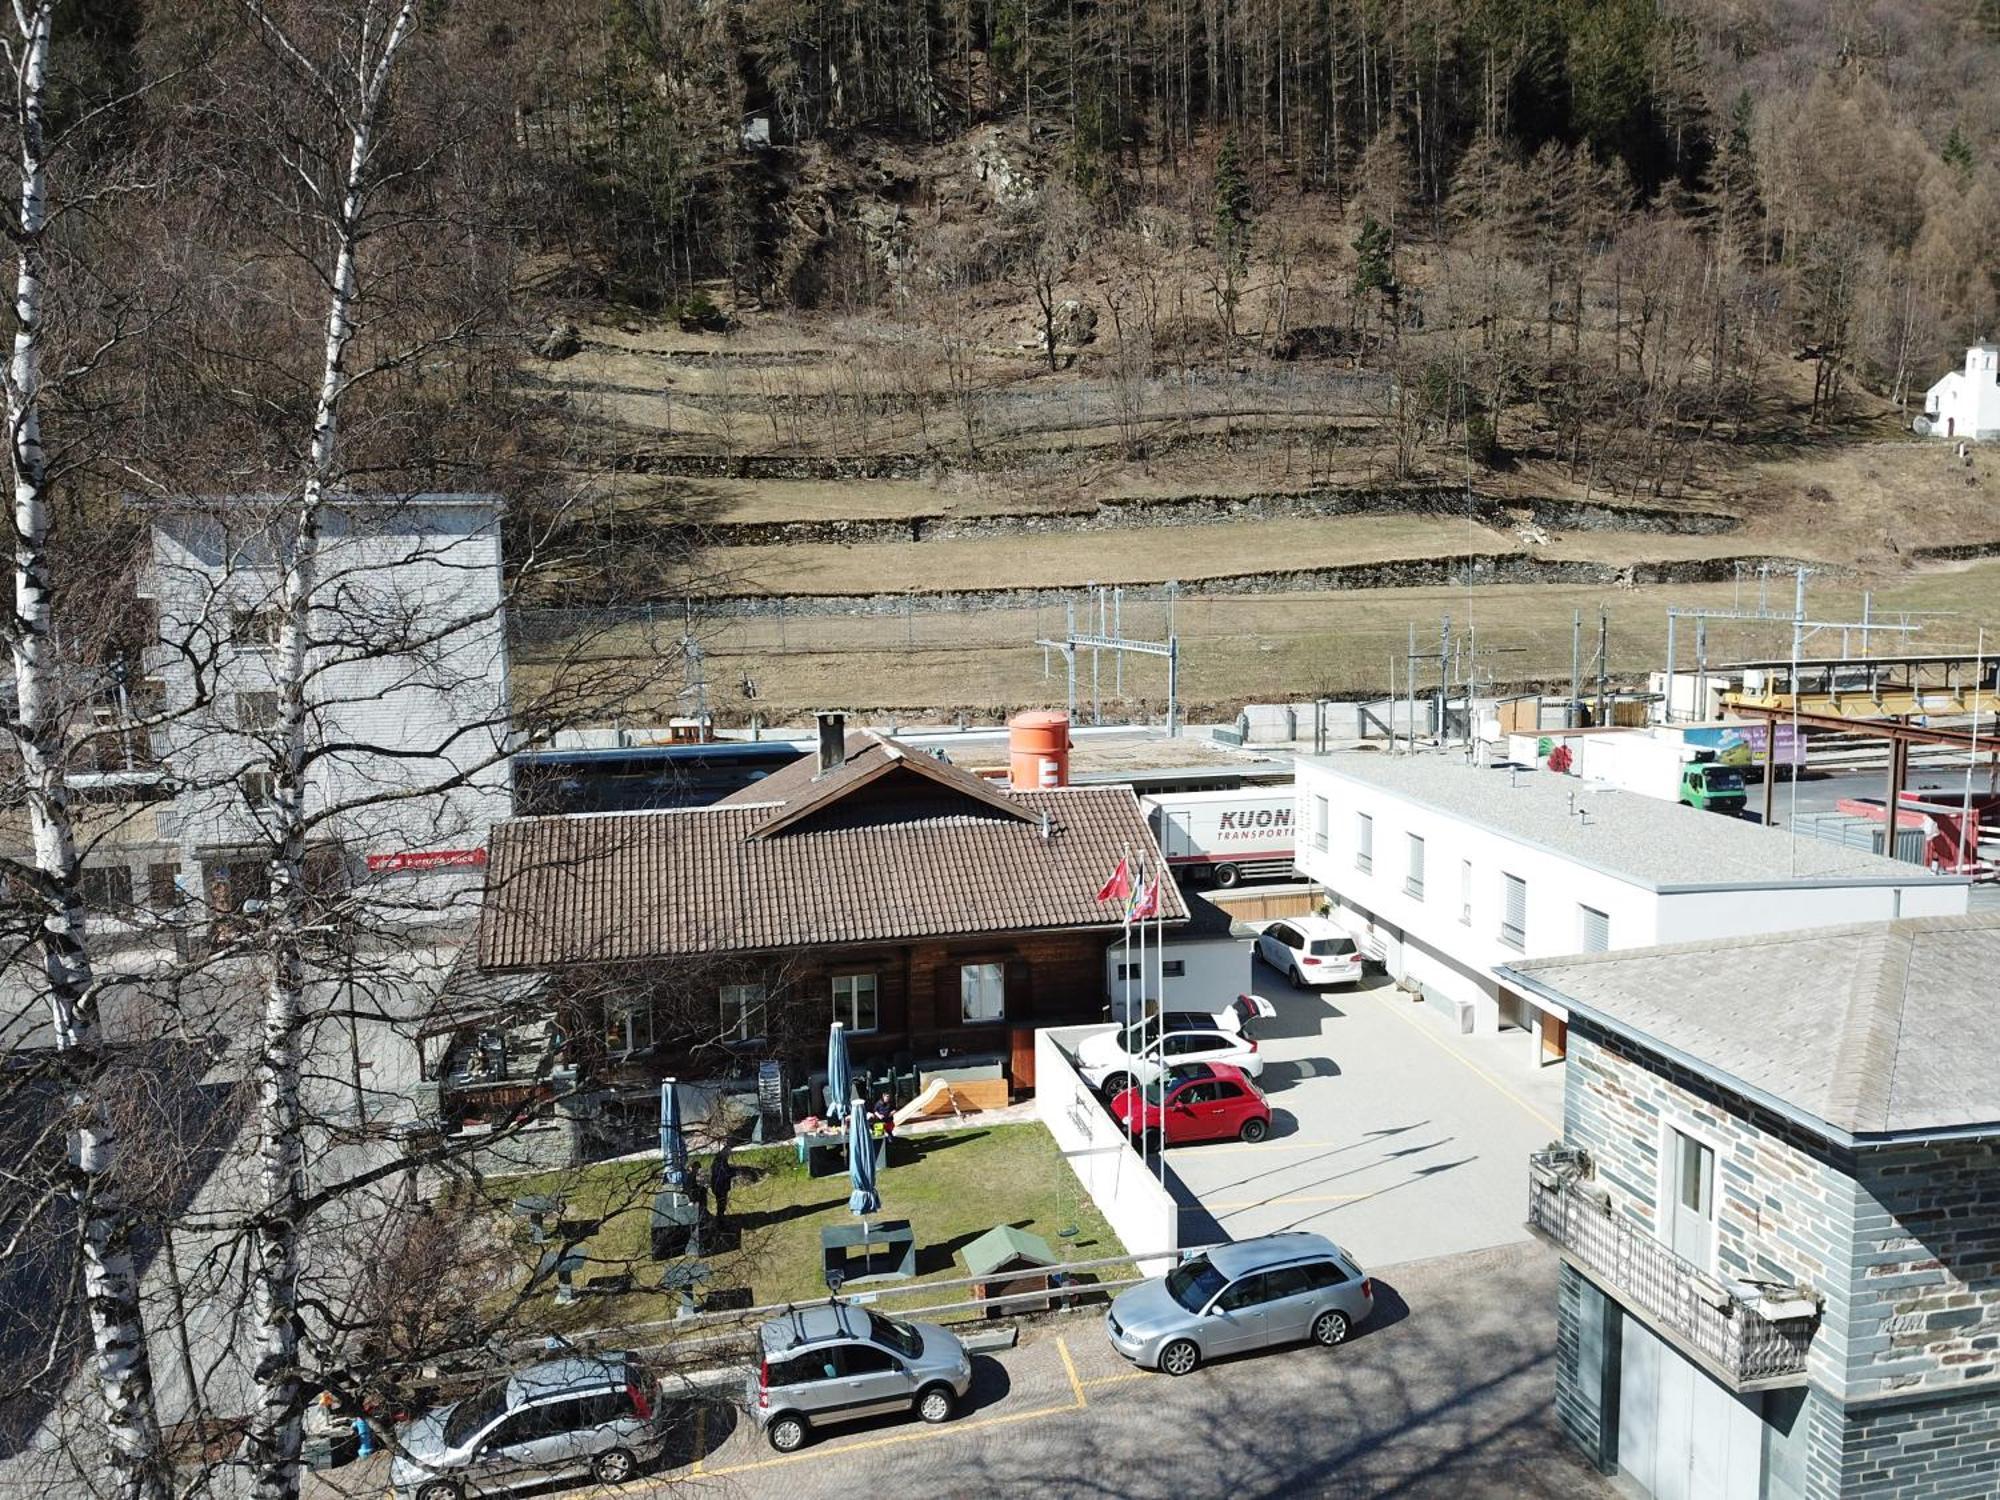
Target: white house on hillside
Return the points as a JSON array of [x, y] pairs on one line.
[[1444, 871], [1966, 403], [407, 701]]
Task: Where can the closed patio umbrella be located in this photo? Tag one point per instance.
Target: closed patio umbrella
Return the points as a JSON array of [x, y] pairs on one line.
[[673, 1145], [839, 1075], [864, 1200]]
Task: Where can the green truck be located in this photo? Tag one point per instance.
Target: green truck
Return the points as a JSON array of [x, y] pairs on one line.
[[1712, 787]]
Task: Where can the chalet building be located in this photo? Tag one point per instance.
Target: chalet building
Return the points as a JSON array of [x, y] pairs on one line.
[[926, 909], [1777, 1204]]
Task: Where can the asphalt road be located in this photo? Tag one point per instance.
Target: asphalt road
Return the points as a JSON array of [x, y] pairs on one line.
[[1447, 1391]]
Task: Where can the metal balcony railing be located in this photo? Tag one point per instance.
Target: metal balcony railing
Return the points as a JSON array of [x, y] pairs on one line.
[[1748, 1343]]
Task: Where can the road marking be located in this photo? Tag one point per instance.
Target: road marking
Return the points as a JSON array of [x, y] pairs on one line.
[[1286, 1145], [1291, 1198], [1419, 1028], [1097, 1380], [1069, 1366]]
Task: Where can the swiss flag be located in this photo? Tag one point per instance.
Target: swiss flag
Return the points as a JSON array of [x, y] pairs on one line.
[[1148, 904], [1119, 886]]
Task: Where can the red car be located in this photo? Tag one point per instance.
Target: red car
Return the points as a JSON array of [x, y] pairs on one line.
[[1203, 1102]]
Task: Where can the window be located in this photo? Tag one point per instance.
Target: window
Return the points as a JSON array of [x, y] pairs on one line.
[[1323, 1273], [259, 790], [805, 1369], [742, 1012], [1413, 884], [254, 628], [628, 1027], [1340, 947], [982, 993], [866, 1359], [1691, 1207], [163, 891], [1514, 911], [1465, 891], [1319, 823], [1286, 1281], [1223, 1089], [106, 887], [1249, 1292], [854, 1001], [1364, 842], [1197, 1093], [256, 711], [1596, 929], [1172, 968]]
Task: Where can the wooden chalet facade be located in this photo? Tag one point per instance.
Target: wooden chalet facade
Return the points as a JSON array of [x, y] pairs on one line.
[[927, 909]]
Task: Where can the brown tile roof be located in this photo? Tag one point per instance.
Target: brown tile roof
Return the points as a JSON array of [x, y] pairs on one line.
[[899, 852]]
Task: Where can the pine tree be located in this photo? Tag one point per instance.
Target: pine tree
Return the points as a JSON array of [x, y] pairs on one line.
[[1233, 221], [1729, 205], [1957, 155], [1375, 266]]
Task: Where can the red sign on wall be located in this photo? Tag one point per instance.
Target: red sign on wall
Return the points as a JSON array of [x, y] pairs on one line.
[[427, 859]]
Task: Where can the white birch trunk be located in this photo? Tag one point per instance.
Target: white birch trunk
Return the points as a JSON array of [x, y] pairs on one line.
[[119, 1358], [275, 1431]]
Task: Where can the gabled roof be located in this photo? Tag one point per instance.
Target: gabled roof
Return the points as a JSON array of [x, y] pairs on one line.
[[800, 789], [1869, 1032], [1004, 1244], [897, 848]]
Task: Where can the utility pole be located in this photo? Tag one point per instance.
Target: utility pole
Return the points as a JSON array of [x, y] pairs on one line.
[[1603, 640], [1576, 657]]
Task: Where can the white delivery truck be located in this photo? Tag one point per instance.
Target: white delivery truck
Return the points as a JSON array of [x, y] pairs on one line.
[[1225, 837]]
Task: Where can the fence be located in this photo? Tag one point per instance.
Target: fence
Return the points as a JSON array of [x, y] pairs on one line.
[[1119, 1180]]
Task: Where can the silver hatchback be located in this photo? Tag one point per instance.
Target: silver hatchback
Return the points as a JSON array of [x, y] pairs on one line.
[[1282, 1289], [560, 1419], [836, 1363]]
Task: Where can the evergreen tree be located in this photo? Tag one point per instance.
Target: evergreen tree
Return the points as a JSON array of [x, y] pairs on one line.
[[1375, 266], [1957, 155], [1233, 220], [1729, 206]]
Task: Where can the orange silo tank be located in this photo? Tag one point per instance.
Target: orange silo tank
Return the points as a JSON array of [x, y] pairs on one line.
[[1038, 750]]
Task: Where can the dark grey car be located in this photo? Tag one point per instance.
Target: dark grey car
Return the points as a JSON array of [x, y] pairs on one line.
[[839, 1363], [560, 1419], [1281, 1289]]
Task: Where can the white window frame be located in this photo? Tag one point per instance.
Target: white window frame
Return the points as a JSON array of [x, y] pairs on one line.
[[979, 984], [260, 788], [1515, 938], [631, 1019], [1413, 877], [1584, 912], [1364, 843], [847, 1008], [737, 998], [1322, 817], [1666, 1203], [251, 723], [1465, 892]]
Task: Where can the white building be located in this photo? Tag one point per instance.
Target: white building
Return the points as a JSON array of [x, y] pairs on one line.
[[1966, 403], [407, 700], [1444, 870]]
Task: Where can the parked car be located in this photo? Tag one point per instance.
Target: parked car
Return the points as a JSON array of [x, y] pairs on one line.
[[1198, 1102], [1237, 1015], [1311, 951], [836, 1363], [594, 1416], [1113, 1061], [1251, 1295]]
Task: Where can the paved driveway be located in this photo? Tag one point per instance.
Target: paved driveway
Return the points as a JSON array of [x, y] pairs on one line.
[[1448, 1391], [1391, 1135]]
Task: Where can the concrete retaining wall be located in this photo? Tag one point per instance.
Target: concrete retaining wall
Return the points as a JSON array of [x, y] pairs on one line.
[[1118, 1179]]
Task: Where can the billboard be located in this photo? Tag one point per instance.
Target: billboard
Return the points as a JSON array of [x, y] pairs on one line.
[[1748, 743]]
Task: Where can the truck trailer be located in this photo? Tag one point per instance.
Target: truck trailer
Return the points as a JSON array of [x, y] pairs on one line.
[[1225, 838]]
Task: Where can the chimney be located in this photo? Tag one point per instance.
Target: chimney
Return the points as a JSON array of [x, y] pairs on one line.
[[832, 742]]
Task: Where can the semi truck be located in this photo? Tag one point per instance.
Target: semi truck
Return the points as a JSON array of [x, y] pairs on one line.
[[1664, 767], [1225, 838]]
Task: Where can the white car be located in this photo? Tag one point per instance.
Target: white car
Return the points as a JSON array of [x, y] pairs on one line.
[[1114, 1061], [1311, 951]]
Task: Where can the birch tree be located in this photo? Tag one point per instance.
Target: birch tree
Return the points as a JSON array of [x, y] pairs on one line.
[[120, 1365], [274, 1436]]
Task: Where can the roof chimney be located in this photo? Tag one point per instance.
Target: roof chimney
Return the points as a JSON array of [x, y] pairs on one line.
[[832, 742]]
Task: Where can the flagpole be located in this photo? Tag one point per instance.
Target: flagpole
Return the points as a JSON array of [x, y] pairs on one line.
[[1125, 962]]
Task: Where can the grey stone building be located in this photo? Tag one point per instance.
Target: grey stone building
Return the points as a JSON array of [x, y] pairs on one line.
[[1777, 1203]]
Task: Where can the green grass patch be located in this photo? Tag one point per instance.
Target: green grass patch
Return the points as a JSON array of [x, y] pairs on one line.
[[959, 1185]]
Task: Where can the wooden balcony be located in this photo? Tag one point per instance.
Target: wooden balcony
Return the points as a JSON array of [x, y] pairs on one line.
[[1748, 1343]]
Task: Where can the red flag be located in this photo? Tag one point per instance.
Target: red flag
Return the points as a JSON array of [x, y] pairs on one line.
[[1119, 886], [1148, 904]]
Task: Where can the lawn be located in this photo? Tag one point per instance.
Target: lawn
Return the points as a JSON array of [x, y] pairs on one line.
[[960, 1185]]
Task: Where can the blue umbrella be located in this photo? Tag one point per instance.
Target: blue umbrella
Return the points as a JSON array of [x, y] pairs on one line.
[[839, 1076], [673, 1146], [864, 1200]]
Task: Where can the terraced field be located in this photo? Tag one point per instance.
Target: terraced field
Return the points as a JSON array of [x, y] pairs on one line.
[[889, 535]]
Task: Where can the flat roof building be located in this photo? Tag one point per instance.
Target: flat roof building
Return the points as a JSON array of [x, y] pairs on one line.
[[1445, 870]]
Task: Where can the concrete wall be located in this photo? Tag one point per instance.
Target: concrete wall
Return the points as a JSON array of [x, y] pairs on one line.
[[1122, 1185], [1690, 916]]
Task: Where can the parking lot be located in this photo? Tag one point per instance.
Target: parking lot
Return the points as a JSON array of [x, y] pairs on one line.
[[1390, 1134]]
